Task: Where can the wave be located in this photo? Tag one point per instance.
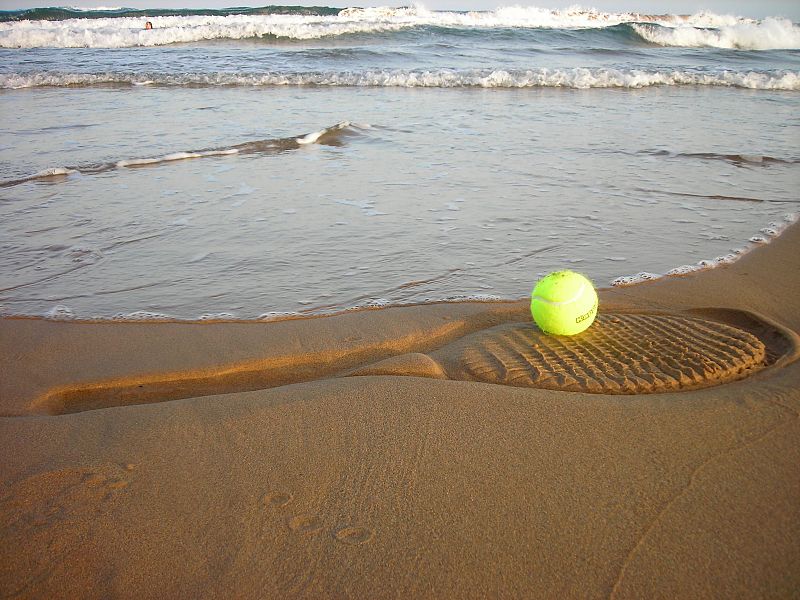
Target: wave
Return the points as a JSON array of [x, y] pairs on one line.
[[578, 78], [765, 236], [124, 28], [575, 17], [740, 160], [129, 32], [100, 12], [330, 136], [769, 34]]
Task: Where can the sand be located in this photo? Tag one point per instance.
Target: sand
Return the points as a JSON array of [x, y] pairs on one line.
[[439, 451]]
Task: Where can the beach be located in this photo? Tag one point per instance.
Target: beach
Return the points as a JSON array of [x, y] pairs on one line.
[[265, 326], [324, 485], [304, 162]]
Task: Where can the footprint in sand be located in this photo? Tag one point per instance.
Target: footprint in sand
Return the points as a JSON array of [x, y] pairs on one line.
[[350, 535], [634, 353], [105, 482], [311, 523], [277, 499], [55, 509], [353, 535], [299, 523], [305, 523]]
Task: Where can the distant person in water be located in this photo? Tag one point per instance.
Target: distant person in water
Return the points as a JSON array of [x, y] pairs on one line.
[[148, 25]]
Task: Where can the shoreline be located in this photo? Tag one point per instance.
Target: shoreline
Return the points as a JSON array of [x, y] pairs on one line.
[[767, 234], [352, 456]]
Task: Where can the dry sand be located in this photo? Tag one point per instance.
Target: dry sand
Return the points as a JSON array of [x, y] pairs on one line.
[[239, 460]]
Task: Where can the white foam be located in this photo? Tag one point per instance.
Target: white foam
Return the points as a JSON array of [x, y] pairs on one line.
[[576, 78], [60, 313], [312, 138], [138, 162], [534, 17], [44, 174], [772, 230], [141, 315], [218, 316], [55, 172], [473, 298], [94, 8], [377, 303], [244, 189], [122, 32], [769, 34], [634, 279], [277, 315]]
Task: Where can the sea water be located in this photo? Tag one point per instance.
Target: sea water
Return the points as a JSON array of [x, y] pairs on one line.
[[251, 163]]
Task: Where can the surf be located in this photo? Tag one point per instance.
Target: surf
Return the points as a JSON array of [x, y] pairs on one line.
[[123, 28], [575, 78]]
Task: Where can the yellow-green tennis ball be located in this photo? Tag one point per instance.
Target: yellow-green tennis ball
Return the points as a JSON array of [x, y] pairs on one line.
[[564, 303]]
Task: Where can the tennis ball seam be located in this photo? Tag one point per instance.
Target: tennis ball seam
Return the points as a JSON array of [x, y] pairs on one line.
[[574, 298]]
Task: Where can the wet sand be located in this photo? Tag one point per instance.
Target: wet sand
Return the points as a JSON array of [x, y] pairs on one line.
[[437, 451]]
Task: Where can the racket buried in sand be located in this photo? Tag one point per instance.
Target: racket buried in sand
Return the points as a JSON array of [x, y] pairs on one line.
[[564, 303]]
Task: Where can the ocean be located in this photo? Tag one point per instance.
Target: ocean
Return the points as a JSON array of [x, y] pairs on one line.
[[281, 161]]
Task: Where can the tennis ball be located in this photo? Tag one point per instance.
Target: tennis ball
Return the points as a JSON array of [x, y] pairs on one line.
[[564, 303]]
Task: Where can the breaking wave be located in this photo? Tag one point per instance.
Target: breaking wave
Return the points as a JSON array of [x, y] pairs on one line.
[[327, 136], [769, 34], [577, 78], [100, 12], [122, 28]]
